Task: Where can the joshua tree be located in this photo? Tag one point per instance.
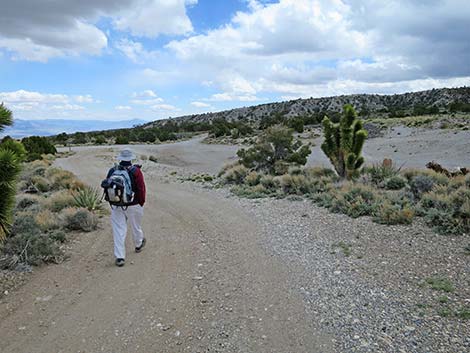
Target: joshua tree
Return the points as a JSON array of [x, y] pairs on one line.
[[343, 143], [8, 174]]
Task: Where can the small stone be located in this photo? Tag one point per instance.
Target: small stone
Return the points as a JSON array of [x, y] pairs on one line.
[[337, 272], [177, 333], [356, 337]]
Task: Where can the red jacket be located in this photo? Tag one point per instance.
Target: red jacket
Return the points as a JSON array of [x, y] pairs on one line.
[[139, 197]]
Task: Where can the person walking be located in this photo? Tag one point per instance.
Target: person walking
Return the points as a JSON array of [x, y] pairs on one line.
[[130, 212]]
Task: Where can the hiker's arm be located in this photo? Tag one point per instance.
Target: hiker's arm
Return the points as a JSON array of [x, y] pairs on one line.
[[140, 183]]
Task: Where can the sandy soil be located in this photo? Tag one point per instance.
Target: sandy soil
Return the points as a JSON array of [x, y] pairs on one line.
[[202, 284], [411, 148]]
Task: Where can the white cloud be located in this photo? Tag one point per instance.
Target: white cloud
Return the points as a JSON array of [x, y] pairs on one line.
[[67, 107], [135, 51], [123, 107], [148, 93], [146, 101], [22, 96], [323, 47], [164, 107], [84, 99], [38, 30], [227, 97], [200, 105], [151, 18]]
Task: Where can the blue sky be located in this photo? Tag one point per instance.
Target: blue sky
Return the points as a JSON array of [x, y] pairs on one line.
[[151, 59]]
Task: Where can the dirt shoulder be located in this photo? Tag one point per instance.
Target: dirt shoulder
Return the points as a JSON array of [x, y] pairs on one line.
[[203, 283]]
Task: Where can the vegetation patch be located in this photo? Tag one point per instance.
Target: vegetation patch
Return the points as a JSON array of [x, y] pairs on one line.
[[440, 283]]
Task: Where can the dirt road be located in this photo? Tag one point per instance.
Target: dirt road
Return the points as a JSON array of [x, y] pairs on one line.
[[202, 284]]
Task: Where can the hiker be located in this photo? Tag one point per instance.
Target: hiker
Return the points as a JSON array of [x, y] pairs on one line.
[[124, 189]]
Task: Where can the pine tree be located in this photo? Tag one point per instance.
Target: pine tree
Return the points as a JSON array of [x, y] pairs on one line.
[[9, 172], [343, 143]]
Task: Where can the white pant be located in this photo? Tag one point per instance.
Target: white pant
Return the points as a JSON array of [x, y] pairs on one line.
[[119, 218]]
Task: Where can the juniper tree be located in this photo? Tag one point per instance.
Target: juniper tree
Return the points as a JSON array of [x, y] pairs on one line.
[[343, 143], [9, 172]]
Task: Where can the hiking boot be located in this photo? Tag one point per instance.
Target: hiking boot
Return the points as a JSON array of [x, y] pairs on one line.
[[120, 262], [139, 248]]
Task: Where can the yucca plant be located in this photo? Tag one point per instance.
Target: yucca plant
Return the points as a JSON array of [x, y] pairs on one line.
[[9, 172], [88, 198], [343, 143]]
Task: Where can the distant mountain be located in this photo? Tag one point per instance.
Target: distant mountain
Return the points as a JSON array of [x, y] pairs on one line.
[[365, 104], [47, 127]]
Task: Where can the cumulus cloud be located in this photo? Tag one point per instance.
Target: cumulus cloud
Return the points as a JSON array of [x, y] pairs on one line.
[[320, 47], [38, 31], [135, 51], [123, 107], [200, 105], [47, 104], [160, 107], [150, 18]]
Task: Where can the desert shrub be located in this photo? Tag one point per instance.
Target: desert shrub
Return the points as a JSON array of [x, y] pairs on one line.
[[318, 172], [37, 146], [421, 184], [41, 183], [144, 157], [46, 220], [295, 184], [355, 200], [153, 159], [253, 178], [63, 179], [88, 198], [58, 235], [24, 222], [25, 201], [274, 152], [380, 172], [121, 140], [100, 140], [269, 182], [33, 248], [59, 200], [79, 219], [236, 174], [388, 213], [251, 192], [395, 183]]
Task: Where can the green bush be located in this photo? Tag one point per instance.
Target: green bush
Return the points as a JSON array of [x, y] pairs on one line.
[[25, 201], [395, 183], [355, 200], [79, 219], [37, 146], [9, 172], [275, 152], [421, 184], [388, 213], [122, 140], [59, 200]]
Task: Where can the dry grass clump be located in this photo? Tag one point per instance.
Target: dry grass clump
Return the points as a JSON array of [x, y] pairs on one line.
[[355, 200], [46, 220], [41, 183], [25, 201], [388, 213], [253, 178], [235, 174], [79, 219], [63, 179], [59, 200]]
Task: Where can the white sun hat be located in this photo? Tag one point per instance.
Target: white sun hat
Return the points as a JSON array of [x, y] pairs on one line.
[[126, 155]]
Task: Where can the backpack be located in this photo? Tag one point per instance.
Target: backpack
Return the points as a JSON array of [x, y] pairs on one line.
[[119, 186]]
